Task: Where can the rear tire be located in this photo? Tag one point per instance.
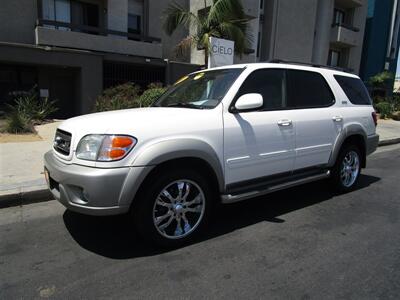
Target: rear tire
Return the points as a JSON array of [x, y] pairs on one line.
[[347, 169], [173, 207]]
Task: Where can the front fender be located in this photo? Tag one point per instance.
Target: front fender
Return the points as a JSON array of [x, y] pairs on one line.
[[164, 151]]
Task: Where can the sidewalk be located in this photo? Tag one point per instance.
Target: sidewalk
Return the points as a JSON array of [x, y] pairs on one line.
[[21, 167], [21, 164], [389, 132]]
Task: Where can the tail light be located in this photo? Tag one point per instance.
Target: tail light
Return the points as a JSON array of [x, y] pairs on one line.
[[375, 118]]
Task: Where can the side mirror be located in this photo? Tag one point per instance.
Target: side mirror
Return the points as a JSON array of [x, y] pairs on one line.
[[249, 101]]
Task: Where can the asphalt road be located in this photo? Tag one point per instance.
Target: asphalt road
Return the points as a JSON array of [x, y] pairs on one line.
[[301, 243]]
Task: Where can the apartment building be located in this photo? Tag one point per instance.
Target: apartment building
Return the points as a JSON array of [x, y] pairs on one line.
[[326, 32], [72, 49]]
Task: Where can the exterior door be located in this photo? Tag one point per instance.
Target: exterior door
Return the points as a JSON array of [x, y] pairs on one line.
[[316, 119], [260, 143]]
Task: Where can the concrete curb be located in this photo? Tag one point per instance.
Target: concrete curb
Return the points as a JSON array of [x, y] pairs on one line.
[[389, 142], [42, 194], [18, 198]]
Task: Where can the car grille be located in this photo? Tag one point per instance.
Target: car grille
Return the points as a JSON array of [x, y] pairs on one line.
[[62, 142]]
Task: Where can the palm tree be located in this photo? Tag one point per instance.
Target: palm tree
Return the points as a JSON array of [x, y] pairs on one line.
[[224, 19]]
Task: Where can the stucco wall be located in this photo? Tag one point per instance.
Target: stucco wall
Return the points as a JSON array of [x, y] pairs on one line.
[[360, 22], [294, 32], [18, 19]]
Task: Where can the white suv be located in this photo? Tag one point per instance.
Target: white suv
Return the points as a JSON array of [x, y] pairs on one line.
[[224, 134]]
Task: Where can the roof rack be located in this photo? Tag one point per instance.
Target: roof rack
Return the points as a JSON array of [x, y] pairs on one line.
[[281, 61]]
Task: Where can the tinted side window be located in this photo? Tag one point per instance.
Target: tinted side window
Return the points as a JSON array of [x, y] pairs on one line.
[[307, 89], [269, 83], [354, 89]]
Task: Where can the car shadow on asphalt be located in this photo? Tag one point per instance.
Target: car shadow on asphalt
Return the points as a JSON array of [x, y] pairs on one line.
[[114, 236]]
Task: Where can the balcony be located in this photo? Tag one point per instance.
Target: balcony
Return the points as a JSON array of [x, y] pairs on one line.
[[349, 3], [344, 36], [67, 35]]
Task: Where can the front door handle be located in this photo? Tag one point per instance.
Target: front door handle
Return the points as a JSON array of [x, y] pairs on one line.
[[338, 118], [285, 122]]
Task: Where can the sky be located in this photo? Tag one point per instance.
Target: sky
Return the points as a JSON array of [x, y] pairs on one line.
[[398, 67]]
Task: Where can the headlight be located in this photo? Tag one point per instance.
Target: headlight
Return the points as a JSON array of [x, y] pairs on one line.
[[102, 147]]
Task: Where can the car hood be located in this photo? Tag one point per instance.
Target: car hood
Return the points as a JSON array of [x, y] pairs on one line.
[[139, 122]]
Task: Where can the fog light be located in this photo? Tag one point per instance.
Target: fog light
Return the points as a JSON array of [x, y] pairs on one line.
[[85, 196]]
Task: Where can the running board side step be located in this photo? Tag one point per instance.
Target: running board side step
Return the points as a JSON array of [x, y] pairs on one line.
[[273, 188]]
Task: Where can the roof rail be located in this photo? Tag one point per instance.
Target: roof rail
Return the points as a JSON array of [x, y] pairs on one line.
[[281, 61]]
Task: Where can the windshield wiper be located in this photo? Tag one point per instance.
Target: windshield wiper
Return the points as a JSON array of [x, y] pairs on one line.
[[186, 105]]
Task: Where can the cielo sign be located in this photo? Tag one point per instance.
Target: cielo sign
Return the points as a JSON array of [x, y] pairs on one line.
[[221, 52]]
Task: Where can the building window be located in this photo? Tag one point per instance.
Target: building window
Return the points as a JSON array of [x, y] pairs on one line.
[[57, 10], [338, 16], [134, 24], [334, 58], [135, 16], [86, 14]]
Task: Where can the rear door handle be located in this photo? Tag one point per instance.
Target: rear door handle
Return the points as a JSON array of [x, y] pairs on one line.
[[338, 118], [285, 122]]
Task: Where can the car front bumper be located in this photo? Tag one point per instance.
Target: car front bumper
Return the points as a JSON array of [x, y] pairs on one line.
[[93, 191]]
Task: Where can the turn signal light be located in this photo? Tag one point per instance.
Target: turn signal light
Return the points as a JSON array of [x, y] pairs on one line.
[[115, 147], [121, 141]]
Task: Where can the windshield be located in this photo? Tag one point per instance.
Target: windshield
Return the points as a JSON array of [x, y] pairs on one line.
[[200, 90]]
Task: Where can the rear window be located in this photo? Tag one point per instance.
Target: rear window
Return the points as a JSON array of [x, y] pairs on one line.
[[354, 89]]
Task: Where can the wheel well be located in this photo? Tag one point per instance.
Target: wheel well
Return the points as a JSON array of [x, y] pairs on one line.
[[358, 140], [185, 162]]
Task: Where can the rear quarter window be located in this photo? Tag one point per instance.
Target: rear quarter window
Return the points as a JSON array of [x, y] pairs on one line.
[[354, 89]]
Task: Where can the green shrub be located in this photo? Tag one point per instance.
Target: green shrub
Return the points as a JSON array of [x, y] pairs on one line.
[[396, 102], [18, 123], [378, 99], [32, 107], [28, 109], [382, 79], [127, 95], [119, 97], [150, 95], [385, 109]]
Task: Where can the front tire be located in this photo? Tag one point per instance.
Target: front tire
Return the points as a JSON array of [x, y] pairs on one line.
[[173, 207], [347, 169]]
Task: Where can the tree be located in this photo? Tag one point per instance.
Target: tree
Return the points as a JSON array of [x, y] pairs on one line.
[[382, 84], [224, 19], [381, 80]]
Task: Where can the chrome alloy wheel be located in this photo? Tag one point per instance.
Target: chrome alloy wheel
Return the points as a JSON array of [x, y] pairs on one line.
[[178, 209], [350, 169]]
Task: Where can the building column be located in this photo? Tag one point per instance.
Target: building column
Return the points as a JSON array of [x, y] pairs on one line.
[[117, 15], [323, 31], [359, 20]]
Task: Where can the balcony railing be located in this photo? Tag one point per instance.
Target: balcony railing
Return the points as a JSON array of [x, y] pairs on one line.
[[347, 26], [96, 30], [344, 36]]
